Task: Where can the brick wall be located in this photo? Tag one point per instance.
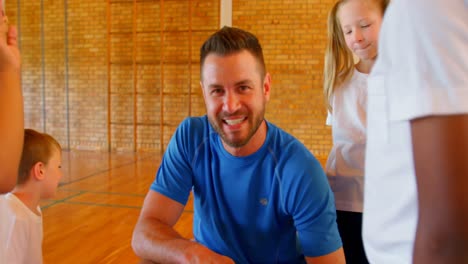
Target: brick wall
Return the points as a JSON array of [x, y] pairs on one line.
[[293, 35], [134, 98]]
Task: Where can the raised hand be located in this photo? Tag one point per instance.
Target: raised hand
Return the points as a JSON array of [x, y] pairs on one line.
[[11, 104], [9, 52]]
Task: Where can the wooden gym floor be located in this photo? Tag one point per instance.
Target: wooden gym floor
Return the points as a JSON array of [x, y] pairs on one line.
[[91, 219], [98, 201]]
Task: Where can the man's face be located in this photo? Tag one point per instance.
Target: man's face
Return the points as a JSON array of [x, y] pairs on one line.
[[235, 96]]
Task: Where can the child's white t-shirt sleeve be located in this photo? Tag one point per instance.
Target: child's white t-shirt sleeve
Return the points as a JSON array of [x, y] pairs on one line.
[[329, 120], [432, 78]]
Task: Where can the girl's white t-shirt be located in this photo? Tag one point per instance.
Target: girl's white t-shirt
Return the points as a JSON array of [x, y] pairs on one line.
[[345, 164]]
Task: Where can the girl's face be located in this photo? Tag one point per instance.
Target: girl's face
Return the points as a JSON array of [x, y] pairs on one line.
[[360, 21]]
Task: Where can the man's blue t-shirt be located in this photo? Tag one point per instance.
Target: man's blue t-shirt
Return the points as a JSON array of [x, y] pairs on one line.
[[273, 206]]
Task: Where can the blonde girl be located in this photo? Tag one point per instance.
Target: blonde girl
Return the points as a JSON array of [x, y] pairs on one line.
[[353, 29]]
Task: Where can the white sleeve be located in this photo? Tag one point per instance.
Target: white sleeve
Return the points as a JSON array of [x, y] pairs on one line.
[[428, 48], [329, 121]]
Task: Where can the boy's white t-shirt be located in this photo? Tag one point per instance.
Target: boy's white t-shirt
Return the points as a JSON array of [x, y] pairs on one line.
[[421, 71], [345, 163], [21, 232]]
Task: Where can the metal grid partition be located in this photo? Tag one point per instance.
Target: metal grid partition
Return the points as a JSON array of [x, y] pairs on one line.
[[153, 68]]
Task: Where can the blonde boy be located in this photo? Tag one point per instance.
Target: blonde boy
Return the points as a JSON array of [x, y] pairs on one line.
[[21, 218]]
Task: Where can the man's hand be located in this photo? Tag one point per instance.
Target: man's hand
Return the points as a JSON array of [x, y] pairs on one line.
[[197, 253]]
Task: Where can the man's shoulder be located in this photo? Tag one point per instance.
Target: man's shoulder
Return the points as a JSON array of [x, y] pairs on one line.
[[195, 122], [283, 138], [194, 126], [287, 146], [190, 133]]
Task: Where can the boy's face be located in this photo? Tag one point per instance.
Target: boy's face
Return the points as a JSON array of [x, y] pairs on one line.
[[53, 174]]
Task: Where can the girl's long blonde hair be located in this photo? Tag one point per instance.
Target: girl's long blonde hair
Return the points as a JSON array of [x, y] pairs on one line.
[[339, 60]]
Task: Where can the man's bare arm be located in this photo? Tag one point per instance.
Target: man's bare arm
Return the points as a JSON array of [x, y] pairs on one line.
[[155, 239]]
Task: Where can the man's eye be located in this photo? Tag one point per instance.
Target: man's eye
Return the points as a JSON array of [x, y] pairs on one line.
[[216, 91]]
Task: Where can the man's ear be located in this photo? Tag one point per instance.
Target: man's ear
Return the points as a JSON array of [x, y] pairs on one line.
[[38, 171], [203, 90], [267, 86]]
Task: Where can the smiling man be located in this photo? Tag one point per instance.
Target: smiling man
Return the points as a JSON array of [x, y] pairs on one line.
[[259, 195]]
